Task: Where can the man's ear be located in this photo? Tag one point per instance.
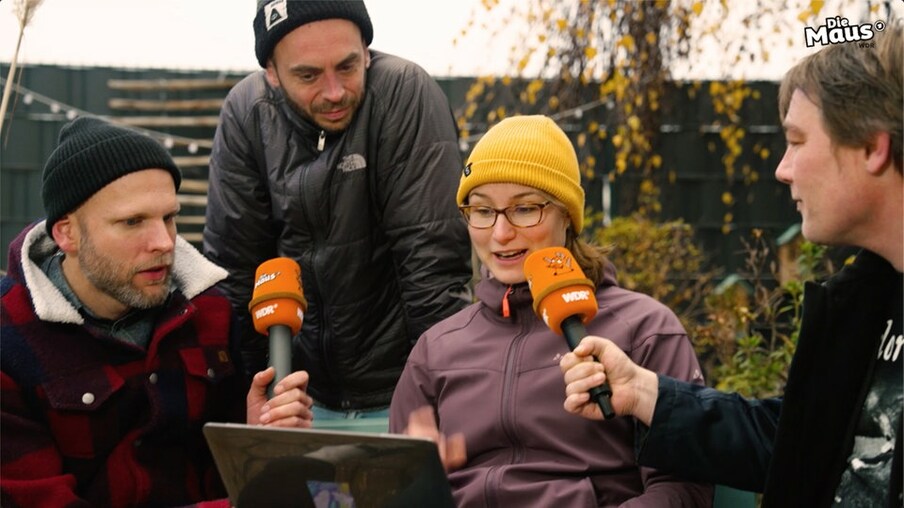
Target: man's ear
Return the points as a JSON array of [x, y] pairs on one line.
[[65, 234], [878, 153], [272, 77]]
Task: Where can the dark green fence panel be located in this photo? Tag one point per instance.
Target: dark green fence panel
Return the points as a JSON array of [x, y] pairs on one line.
[[689, 144]]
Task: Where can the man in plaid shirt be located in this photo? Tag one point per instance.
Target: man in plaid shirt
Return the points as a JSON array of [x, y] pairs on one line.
[[116, 348]]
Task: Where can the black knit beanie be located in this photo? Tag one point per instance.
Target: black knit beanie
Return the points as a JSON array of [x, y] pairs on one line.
[[276, 18], [90, 154]]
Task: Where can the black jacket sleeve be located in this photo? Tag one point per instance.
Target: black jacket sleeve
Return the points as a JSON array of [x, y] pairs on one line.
[[420, 166], [239, 232], [706, 435]]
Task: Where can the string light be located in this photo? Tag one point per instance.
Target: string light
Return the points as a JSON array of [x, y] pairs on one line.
[[169, 141], [71, 112]]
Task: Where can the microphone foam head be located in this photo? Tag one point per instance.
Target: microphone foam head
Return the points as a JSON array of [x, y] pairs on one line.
[[278, 298], [559, 287]]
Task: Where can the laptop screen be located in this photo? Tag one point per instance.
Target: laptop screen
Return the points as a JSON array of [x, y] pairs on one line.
[[275, 467]]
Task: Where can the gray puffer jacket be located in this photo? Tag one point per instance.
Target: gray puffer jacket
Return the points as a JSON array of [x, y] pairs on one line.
[[371, 219]]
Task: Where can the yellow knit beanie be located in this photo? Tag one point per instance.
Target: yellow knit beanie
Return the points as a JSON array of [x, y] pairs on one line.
[[532, 151]]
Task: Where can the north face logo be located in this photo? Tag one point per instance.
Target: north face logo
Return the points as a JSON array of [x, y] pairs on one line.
[[275, 13], [352, 162]]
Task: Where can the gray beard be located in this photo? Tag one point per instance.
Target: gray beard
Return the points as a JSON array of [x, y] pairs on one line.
[[102, 274]]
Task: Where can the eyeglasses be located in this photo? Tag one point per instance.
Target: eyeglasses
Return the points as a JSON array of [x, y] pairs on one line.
[[524, 215]]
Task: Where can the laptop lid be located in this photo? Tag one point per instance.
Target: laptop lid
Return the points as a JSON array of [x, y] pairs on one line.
[[314, 468]]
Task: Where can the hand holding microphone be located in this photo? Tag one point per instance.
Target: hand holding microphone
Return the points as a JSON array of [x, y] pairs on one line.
[[565, 300], [277, 309]]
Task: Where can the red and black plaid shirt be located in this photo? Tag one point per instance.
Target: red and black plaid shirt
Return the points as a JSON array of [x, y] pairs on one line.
[[88, 420]]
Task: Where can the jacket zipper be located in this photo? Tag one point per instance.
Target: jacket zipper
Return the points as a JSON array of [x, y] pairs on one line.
[[309, 212], [511, 374], [507, 410]]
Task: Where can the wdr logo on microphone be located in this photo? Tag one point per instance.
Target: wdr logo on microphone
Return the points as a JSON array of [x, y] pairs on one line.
[[839, 30], [269, 310], [575, 296]]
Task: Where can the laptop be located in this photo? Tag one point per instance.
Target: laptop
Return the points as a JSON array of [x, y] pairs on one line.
[[324, 468]]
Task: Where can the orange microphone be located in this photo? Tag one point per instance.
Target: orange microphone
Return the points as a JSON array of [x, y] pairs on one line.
[[277, 309], [565, 300]]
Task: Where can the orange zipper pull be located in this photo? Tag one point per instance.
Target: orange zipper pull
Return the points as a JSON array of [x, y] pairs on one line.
[[506, 312]]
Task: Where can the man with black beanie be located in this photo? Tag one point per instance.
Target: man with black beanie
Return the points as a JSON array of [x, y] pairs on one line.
[[116, 345], [345, 159]]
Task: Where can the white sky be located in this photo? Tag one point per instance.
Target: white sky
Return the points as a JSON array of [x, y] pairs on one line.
[[217, 35]]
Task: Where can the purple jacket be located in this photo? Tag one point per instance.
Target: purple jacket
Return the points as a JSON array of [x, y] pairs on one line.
[[91, 421], [497, 380]]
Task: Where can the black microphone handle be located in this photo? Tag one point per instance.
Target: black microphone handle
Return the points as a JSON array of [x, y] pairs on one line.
[[280, 353], [574, 331]]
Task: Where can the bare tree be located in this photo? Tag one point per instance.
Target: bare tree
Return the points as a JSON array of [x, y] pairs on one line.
[[25, 11], [602, 68]]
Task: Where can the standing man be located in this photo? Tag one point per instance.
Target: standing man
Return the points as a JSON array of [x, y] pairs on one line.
[[346, 160], [116, 346], [835, 437]]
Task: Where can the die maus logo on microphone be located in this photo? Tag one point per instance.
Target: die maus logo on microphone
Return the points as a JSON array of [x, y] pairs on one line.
[[265, 278]]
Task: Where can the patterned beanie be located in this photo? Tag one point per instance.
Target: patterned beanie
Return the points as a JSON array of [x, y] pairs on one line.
[[276, 18], [532, 151], [90, 154]]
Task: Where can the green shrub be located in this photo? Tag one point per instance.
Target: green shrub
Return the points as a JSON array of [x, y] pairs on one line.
[[752, 337], [660, 259], [744, 329]]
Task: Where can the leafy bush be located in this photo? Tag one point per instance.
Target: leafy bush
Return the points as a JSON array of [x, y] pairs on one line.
[[745, 328], [660, 259]]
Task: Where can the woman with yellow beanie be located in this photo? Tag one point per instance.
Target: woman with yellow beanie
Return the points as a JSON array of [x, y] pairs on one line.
[[488, 377]]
